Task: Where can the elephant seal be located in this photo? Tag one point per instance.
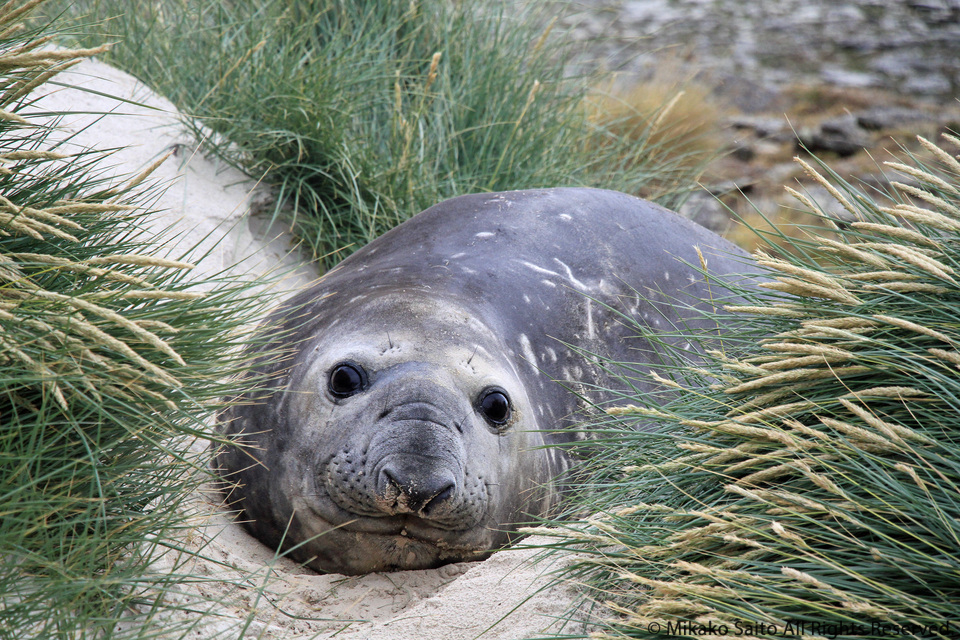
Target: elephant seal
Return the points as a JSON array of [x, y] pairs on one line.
[[409, 423]]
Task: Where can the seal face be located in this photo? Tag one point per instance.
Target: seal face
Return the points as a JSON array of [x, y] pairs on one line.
[[408, 424]]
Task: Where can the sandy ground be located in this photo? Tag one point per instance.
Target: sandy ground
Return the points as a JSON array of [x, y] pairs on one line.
[[205, 207]]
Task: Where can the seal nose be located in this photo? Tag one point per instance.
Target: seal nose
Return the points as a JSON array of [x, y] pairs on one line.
[[419, 491]]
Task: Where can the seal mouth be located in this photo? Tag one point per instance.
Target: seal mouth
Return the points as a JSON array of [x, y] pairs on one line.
[[406, 526]]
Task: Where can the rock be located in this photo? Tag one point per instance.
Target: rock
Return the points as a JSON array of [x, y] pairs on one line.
[[748, 95], [743, 151], [768, 147], [883, 117], [742, 184], [847, 78], [928, 85], [841, 136], [762, 126], [703, 208], [936, 11]]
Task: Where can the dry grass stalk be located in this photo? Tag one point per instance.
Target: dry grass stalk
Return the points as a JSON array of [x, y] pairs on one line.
[[155, 294], [886, 392], [656, 607], [949, 356], [695, 568], [570, 533], [104, 339], [826, 184], [143, 334], [908, 287], [744, 367], [853, 335], [23, 87], [781, 531], [155, 325], [928, 217], [918, 259], [806, 578], [631, 409], [782, 311], [735, 428], [808, 275], [807, 289], [858, 433], [922, 176], [12, 117], [723, 456], [432, 72], [811, 206], [813, 349], [9, 14], [912, 472], [943, 156], [955, 141], [142, 261], [837, 510], [667, 382], [643, 507], [897, 433], [912, 326], [668, 588], [885, 276], [821, 480], [19, 61], [756, 459], [899, 233], [853, 253], [775, 411], [12, 156], [46, 259], [803, 361], [747, 542], [797, 375], [31, 227], [766, 475], [136, 180], [47, 216], [88, 207], [47, 376]]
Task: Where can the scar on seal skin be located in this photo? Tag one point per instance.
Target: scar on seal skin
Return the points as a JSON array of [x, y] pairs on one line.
[[406, 425]]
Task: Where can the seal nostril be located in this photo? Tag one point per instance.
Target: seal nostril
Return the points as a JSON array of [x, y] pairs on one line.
[[411, 491], [439, 499]]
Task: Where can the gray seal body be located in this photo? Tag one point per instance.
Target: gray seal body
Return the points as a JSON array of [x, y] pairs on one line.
[[407, 424]]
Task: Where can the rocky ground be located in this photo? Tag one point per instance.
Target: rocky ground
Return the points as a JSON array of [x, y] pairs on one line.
[[852, 81]]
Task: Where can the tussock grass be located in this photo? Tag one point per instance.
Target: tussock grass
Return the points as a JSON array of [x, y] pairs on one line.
[[361, 114], [811, 485], [109, 364], [668, 121]]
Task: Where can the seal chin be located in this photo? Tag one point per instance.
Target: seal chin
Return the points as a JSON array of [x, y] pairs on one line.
[[398, 543]]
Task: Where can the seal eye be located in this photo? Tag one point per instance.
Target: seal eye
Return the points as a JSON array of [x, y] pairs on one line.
[[495, 406], [346, 379]]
